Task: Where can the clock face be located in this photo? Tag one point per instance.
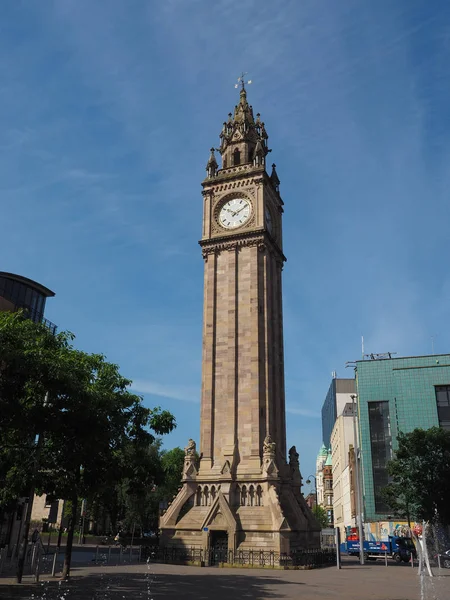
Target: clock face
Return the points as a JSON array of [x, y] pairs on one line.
[[269, 222], [234, 213]]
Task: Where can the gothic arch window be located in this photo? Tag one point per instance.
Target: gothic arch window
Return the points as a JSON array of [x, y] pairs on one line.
[[259, 496], [237, 495], [198, 497], [244, 496], [206, 496], [250, 154], [236, 157], [225, 162], [213, 493], [251, 496]]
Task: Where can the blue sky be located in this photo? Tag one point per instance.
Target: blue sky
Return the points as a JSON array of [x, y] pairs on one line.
[[107, 113]]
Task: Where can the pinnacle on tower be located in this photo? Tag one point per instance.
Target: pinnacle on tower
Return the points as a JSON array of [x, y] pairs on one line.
[[274, 178], [212, 166], [242, 139]]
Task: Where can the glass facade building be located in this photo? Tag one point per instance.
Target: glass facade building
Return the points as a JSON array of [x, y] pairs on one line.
[[18, 292], [396, 394]]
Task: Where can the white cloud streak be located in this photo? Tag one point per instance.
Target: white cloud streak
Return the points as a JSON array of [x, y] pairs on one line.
[[174, 392]]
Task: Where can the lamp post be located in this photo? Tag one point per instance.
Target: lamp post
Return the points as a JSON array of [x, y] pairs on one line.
[[308, 481], [359, 506]]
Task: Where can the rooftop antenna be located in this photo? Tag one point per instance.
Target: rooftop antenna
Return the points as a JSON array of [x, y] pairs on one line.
[[241, 81], [432, 343]]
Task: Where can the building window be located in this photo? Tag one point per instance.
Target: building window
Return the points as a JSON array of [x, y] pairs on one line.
[[381, 449], [443, 405], [236, 157]]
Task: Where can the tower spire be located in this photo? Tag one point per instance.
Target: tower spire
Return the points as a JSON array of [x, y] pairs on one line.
[[243, 141]]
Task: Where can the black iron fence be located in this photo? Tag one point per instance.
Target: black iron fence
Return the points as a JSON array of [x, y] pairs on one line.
[[244, 558]]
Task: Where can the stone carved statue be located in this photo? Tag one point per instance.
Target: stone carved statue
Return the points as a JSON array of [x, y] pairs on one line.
[[189, 451], [268, 445], [190, 468], [293, 457]]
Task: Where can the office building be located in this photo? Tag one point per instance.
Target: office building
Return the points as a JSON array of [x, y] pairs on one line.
[[396, 395], [339, 394], [342, 445], [17, 292]]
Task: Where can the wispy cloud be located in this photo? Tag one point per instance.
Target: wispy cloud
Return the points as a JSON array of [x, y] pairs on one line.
[[303, 412], [144, 386]]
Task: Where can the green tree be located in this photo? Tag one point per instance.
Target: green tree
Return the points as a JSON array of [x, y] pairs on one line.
[[321, 516], [172, 464], [87, 421], [420, 472]]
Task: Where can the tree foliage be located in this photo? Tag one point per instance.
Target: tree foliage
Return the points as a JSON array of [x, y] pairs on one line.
[[172, 465], [89, 425], [321, 516], [420, 472]]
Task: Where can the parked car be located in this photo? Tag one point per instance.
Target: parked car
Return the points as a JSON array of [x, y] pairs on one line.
[[444, 558], [150, 534]]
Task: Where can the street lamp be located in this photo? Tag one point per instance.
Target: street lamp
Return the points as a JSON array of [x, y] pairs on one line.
[[308, 481], [359, 502]]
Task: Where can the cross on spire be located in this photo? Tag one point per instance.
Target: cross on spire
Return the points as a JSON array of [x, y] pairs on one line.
[[241, 81]]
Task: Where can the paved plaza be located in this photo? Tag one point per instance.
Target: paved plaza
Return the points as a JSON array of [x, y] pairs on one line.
[[173, 582]]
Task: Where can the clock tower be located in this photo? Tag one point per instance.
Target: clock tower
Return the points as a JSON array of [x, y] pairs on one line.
[[243, 490]]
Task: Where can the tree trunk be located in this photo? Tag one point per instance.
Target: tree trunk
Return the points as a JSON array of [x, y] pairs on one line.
[[69, 543], [60, 532], [24, 535]]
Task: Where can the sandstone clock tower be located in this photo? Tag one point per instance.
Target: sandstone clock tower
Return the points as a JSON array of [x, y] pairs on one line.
[[245, 490]]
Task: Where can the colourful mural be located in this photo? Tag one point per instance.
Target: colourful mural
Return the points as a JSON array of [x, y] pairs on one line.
[[381, 530]]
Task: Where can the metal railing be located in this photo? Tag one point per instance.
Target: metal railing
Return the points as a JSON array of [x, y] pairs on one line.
[[36, 316], [42, 561], [255, 558]]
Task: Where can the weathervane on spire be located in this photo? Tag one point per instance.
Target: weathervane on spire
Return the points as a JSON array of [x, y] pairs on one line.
[[241, 81]]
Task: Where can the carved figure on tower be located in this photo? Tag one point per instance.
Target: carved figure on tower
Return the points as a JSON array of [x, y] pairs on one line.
[[189, 451], [269, 446]]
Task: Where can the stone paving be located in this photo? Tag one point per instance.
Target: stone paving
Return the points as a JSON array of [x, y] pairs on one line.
[[173, 582]]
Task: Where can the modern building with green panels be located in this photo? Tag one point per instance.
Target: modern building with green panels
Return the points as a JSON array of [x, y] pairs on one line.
[[396, 394]]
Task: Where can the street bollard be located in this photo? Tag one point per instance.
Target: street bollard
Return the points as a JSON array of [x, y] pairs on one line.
[[96, 555], [337, 534], [55, 559], [33, 557], [385, 559], [109, 554]]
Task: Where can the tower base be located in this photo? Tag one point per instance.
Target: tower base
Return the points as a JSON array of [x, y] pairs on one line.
[[264, 512]]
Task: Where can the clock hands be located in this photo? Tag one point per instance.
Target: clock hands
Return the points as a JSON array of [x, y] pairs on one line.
[[238, 211]]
